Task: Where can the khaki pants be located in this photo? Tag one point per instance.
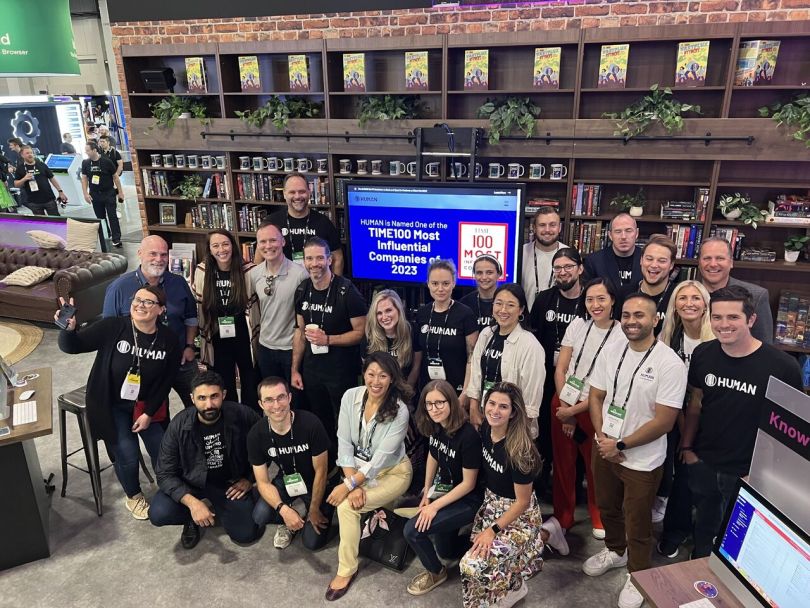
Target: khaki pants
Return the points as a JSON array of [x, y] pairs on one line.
[[391, 484]]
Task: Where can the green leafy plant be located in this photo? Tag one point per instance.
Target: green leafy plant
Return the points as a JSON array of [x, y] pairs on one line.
[[624, 201], [795, 115], [168, 110], [389, 107], [190, 187], [659, 106], [507, 114], [796, 243], [749, 213], [280, 110]]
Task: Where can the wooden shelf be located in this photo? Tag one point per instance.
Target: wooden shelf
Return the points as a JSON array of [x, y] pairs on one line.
[[651, 219], [197, 170], [264, 172], [778, 265], [774, 87], [397, 92], [510, 92], [642, 182], [792, 348], [151, 197], [804, 185], [269, 93], [208, 94], [762, 224], [647, 89]]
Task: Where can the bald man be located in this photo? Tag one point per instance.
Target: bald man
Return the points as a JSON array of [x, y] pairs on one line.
[[181, 308], [620, 261]]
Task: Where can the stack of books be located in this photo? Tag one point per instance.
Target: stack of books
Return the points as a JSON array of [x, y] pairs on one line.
[[589, 236], [208, 216], [587, 199], [733, 236], [679, 210], [792, 209], [155, 183], [687, 239], [249, 217], [791, 319]]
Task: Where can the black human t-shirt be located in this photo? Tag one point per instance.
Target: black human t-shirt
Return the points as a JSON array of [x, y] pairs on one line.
[[661, 302], [333, 314], [223, 293], [113, 155], [443, 335], [152, 349], [296, 231], [216, 461], [99, 175], [482, 309], [42, 174], [550, 317], [461, 451], [292, 452], [491, 360], [733, 397], [625, 264], [499, 475]]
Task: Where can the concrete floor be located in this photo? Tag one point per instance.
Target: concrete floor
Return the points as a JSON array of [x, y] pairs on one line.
[[117, 561]]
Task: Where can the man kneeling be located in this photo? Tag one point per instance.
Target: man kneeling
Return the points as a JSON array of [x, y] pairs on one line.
[[204, 456], [298, 445]]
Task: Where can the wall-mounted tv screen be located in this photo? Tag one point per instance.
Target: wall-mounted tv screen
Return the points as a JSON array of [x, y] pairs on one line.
[[397, 229]]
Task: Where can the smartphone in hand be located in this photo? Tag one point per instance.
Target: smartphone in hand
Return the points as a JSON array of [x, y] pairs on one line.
[[66, 313]]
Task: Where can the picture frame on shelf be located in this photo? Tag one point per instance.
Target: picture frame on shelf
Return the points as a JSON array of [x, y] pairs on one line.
[[168, 214]]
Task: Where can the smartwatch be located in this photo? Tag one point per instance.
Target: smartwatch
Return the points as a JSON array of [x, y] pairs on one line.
[[620, 445], [496, 528], [280, 506]]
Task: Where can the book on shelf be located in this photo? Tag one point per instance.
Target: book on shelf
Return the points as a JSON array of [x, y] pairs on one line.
[[318, 191], [546, 73], [207, 216], [354, 72], [416, 70], [181, 260], [249, 77], [249, 217], [248, 250], [299, 73], [687, 239], [588, 237], [586, 199], [791, 319], [613, 66], [533, 205], [679, 210], [701, 203], [757, 254], [339, 190], [476, 69], [756, 62], [733, 236], [195, 75], [155, 183], [691, 64]]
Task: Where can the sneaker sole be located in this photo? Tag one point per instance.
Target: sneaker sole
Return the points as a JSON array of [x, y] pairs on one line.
[[601, 572], [424, 591]]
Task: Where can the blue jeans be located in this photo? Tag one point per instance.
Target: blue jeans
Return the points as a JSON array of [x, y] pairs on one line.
[[126, 448], [712, 490], [264, 514], [235, 515], [275, 363], [444, 528]]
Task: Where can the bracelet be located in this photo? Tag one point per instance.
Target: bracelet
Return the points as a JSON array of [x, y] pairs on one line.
[[349, 482], [280, 506], [327, 339]]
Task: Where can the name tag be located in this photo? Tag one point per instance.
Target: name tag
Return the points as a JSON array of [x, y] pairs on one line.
[[319, 350], [572, 390], [488, 385], [227, 327], [437, 490], [614, 421], [131, 387], [436, 369], [95, 180], [298, 257], [33, 186], [362, 456], [294, 484]]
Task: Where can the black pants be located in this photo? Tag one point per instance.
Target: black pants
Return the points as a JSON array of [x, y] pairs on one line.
[[233, 353], [104, 208], [543, 441], [46, 208], [323, 390], [678, 516], [182, 382], [673, 439], [275, 362], [712, 490]]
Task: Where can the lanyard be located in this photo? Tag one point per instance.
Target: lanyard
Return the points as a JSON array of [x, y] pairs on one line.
[[430, 324], [325, 302], [306, 232], [360, 426], [478, 303], [136, 359], [497, 372], [633, 377], [557, 316], [598, 350], [661, 295], [536, 279], [275, 445]]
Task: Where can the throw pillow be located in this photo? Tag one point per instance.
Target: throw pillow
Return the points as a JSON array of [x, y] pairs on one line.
[[28, 276], [82, 236], [47, 240]]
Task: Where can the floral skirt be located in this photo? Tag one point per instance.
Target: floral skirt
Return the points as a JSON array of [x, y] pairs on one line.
[[516, 553]]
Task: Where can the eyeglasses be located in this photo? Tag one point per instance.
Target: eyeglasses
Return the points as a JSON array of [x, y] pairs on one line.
[[438, 405], [270, 289], [281, 399], [145, 303], [566, 268]]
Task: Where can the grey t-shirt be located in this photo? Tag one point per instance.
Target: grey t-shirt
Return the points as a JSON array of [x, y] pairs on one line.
[[278, 309]]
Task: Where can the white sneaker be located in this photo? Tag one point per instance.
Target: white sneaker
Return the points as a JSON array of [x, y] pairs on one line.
[[597, 565], [629, 597], [556, 535], [659, 509], [514, 596], [283, 537], [598, 533], [138, 506]]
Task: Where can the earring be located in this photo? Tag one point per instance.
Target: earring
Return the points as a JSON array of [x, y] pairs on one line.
[[521, 318]]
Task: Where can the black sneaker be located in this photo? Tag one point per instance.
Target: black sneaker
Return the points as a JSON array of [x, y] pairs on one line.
[[117, 244], [669, 550], [190, 536]]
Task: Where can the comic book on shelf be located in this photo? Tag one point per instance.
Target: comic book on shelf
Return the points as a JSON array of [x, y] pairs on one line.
[[416, 70], [692, 62], [299, 73], [547, 68], [354, 72], [249, 74], [756, 62], [476, 69], [181, 260], [195, 75], [613, 66]]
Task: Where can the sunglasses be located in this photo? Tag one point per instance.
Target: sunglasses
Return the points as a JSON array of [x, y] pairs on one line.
[[270, 288]]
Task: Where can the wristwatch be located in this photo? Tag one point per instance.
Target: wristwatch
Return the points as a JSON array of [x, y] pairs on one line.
[[620, 446], [280, 506], [496, 528]]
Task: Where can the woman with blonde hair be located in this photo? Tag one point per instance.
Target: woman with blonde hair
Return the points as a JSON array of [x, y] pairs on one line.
[[388, 330]]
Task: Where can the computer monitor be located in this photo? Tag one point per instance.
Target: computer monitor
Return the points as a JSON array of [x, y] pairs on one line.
[[760, 554], [60, 162], [8, 379]]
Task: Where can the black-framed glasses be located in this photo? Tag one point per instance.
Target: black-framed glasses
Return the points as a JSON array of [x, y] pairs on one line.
[[147, 304], [437, 405], [281, 399], [566, 268], [270, 287]]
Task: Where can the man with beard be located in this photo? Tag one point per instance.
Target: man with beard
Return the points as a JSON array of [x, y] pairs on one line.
[[659, 277], [637, 390], [181, 307], [204, 456], [537, 254], [487, 270], [99, 184], [620, 262]]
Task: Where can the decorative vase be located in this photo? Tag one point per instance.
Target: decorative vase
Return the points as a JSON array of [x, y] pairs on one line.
[[791, 257], [733, 214], [185, 115], [636, 211]]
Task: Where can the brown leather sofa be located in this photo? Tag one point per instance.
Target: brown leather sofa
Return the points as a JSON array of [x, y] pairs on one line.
[[82, 275]]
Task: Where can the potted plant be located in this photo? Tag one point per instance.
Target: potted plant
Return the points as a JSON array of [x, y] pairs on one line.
[[389, 107], [169, 109], [630, 203], [659, 106], [190, 187], [794, 246], [507, 114], [795, 114], [280, 110], [738, 207]]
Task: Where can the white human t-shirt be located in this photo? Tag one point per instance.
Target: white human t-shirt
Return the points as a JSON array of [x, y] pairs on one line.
[[575, 338], [660, 380], [543, 271]]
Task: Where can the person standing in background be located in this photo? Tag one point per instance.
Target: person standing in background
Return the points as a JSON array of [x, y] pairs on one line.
[[99, 184], [537, 275], [36, 178], [620, 262]]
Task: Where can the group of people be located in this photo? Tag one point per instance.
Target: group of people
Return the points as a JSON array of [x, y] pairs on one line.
[[655, 384]]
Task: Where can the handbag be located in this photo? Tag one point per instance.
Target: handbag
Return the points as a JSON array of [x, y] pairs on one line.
[[382, 538], [159, 416]]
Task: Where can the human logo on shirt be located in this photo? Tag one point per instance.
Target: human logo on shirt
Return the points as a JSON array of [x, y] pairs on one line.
[[125, 348], [439, 331], [316, 307], [559, 317], [730, 383], [214, 451]]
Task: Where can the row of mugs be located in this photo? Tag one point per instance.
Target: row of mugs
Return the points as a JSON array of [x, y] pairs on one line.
[[497, 170], [191, 161], [395, 167], [288, 164]]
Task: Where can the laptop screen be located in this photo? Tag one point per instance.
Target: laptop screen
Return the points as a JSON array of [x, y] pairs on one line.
[[766, 551]]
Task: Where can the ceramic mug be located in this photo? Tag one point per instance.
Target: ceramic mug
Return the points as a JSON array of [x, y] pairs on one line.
[[244, 163], [192, 161], [157, 160], [259, 163], [432, 169], [479, 169], [516, 171], [459, 169], [345, 165], [274, 163], [289, 164], [362, 167], [205, 161], [396, 167], [411, 168], [179, 160], [376, 167], [304, 165], [220, 162], [323, 165], [536, 171], [168, 160], [558, 171], [496, 170]]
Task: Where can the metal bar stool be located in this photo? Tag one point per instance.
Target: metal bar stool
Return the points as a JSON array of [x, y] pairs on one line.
[[73, 402]]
